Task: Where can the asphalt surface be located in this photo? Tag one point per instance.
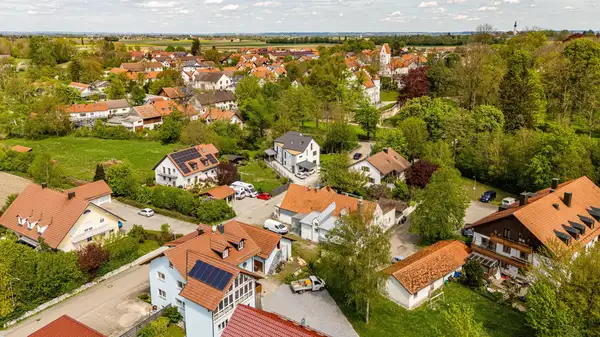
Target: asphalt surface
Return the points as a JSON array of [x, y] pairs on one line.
[[111, 307], [364, 148], [154, 222], [318, 308], [477, 210], [256, 211]]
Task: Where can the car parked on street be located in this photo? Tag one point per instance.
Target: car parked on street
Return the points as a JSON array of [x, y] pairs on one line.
[[488, 196], [147, 212], [397, 258], [275, 226], [263, 196]]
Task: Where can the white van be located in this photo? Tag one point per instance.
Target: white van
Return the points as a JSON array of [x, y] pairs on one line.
[[275, 226], [249, 188], [240, 193]]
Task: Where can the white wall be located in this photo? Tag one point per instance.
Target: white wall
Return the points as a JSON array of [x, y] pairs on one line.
[[285, 216], [366, 167], [180, 180], [198, 320], [169, 285], [102, 200], [399, 294], [312, 153], [97, 219]]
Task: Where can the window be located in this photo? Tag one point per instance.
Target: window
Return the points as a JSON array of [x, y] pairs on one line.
[[223, 324], [506, 249], [180, 303], [162, 293], [241, 245], [87, 211], [225, 253], [90, 239], [160, 276], [311, 147], [506, 233], [314, 153], [365, 169], [170, 265], [524, 255], [179, 285]]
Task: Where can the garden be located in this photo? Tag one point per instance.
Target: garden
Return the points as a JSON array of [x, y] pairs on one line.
[[263, 178]]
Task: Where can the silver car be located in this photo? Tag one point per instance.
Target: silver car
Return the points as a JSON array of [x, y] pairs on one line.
[[147, 212]]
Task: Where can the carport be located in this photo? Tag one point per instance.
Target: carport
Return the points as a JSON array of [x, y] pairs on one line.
[[271, 154], [306, 165]]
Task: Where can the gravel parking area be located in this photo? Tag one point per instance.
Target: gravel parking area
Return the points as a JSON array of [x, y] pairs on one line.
[[318, 308], [10, 184]]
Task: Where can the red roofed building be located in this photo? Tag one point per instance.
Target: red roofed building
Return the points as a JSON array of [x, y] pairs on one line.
[[187, 167], [211, 271], [249, 321], [65, 326]]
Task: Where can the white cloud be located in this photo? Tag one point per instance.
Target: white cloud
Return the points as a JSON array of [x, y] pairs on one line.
[[398, 13], [456, 1], [183, 11], [268, 4], [158, 4], [428, 4], [229, 8], [31, 12], [487, 9], [213, 1], [437, 10], [569, 8], [512, 1], [259, 18], [341, 14], [462, 17]]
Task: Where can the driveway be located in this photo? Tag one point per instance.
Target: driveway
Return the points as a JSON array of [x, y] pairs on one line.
[[10, 184], [318, 308], [111, 307], [153, 223], [256, 211], [364, 148], [402, 242], [477, 210]]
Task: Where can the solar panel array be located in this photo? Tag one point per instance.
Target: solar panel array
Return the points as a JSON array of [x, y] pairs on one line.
[[212, 158], [182, 157], [211, 275]]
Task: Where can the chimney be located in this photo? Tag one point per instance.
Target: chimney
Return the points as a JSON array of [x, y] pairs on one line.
[[214, 229], [200, 231], [568, 197], [44, 185], [221, 228], [385, 149], [523, 199], [71, 195], [554, 184]]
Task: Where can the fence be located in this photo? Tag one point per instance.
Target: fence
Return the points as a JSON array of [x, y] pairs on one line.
[[142, 323], [280, 190]]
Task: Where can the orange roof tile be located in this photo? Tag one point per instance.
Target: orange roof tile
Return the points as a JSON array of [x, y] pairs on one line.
[[83, 108], [220, 192], [22, 149], [300, 199], [91, 191], [266, 240], [65, 326], [428, 265], [218, 115], [171, 93]]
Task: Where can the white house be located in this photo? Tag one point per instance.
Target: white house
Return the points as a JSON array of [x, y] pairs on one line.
[[382, 166], [65, 221], [385, 59], [313, 212], [211, 80], [220, 99], [213, 115], [118, 107], [84, 89], [295, 152], [97, 192], [208, 273], [87, 113], [187, 167], [413, 280]]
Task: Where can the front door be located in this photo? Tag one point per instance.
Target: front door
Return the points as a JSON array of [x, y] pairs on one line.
[[258, 266]]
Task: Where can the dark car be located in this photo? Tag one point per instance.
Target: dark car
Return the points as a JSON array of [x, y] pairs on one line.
[[357, 156], [488, 196]]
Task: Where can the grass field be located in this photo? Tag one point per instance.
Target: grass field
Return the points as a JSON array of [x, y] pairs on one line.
[[389, 96], [78, 156], [476, 193], [388, 319], [260, 175], [175, 331]]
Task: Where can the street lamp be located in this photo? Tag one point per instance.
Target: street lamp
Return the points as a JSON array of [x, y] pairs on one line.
[[475, 187], [11, 289]]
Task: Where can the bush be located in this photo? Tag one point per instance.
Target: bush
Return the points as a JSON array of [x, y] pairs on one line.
[[401, 190], [91, 257], [138, 233], [473, 274], [122, 249], [145, 297], [174, 199], [212, 211], [420, 173], [376, 192], [16, 161], [121, 181], [173, 315]]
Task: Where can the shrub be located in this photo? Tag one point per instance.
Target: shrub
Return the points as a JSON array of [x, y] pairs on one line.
[[401, 190], [138, 233], [173, 199], [91, 257], [420, 173], [145, 297], [473, 274], [212, 211], [122, 249], [173, 315], [377, 192], [165, 233], [121, 181]]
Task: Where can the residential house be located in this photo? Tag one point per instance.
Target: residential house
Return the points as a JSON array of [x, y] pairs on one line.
[[65, 326], [166, 107], [118, 107], [171, 93], [209, 272], [295, 152], [190, 65], [565, 214], [99, 86], [211, 81], [412, 281], [385, 59], [151, 115], [220, 99], [213, 115], [371, 85], [143, 67], [313, 212], [84, 89], [97, 192], [187, 167], [385, 166], [65, 221], [223, 192], [249, 321], [87, 113]]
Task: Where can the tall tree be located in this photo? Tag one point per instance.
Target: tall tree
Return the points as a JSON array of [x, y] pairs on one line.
[[438, 218], [414, 84], [336, 173], [6, 295], [355, 252], [118, 87], [416, 135], [460, 322], [367, 116], [170, 131], [394, 139], [522, 98], [99, 175], [488, 118], [260, 114], [196, 47], [42, 169], [75, 69], [138, 95]]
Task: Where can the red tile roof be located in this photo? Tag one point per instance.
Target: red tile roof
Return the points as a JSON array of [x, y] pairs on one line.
[[82, 108], [428, 265], [91, 191], [218, 115], [301, 199], [220, 192], [390, 161], [248, 321], [66, 326]]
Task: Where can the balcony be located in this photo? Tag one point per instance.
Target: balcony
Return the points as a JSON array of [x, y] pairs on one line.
[[520, 246], [88, 234], [517, 262], [231, 306], [168, 175]]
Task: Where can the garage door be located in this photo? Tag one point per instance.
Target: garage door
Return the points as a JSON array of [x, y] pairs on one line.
[[102, 200]]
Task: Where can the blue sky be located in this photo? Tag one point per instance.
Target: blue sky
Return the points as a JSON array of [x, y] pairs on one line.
[[252, 16]]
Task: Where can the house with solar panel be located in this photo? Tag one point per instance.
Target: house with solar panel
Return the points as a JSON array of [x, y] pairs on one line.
[[296, 152], [187, 167], [206, 274], [509, 241]]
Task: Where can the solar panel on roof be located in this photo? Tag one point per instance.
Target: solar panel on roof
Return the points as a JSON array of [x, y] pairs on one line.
[[211, 275], [212, 158], [184, 156]]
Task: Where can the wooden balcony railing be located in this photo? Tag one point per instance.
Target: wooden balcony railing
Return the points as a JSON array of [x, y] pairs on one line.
[[520, 246]]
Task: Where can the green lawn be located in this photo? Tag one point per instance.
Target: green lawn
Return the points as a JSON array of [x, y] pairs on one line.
[[388, 319], [260, 175], [147, 247], [175, 331], [78, 156], [387, 96], [481, 187]]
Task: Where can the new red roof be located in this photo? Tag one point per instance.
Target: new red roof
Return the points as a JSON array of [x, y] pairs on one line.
[[66, 326], [248, 321]]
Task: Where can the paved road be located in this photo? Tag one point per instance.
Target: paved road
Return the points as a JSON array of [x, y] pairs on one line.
[[10, 184], [154, 222], [402, 242], [364, 149], [111, 307], [318, 308]]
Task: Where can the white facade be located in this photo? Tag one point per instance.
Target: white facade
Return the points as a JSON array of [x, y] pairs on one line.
[[374, 93], [95, 223], [397, 293], [368, 169], [221, 84], [101, 200], [511, 253], [167, 174], [289, 159], [88, 116]]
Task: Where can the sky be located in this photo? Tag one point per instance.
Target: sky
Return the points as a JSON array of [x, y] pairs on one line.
[[257, 16]]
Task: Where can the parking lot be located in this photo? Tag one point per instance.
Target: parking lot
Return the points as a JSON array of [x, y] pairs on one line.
[[256, 211], [153, 222], [318, 309]]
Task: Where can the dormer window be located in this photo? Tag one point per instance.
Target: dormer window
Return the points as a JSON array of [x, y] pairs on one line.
[[19, 220], [241, 245], [87, 211], [226, 253]]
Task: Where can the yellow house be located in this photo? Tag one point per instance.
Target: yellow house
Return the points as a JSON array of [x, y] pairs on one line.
[[62, 220]]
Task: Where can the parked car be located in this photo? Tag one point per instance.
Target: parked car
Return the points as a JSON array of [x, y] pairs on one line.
[[301, 175], [240, 192], [147, 212], [249, 188], [275, 226], [357, 156], [312, 283], [488, 196], [311, 172], [467, 232], [509, 201], [397, 258], [263, 196]]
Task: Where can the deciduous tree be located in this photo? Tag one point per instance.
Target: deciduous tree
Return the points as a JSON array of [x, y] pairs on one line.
[[120, 179], [415, 132], [460, 322], [336, 173], [367, 116], [420, 173], [92, 256], [414, 84]]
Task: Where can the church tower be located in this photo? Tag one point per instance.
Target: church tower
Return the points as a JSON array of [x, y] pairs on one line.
[[515, 32]]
